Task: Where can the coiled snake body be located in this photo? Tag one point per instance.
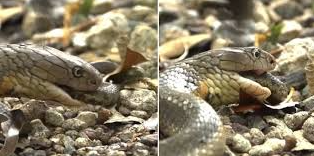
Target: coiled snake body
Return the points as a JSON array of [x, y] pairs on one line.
[[186, 88]]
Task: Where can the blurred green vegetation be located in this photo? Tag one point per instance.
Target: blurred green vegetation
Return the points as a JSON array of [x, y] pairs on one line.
[[275, 32]]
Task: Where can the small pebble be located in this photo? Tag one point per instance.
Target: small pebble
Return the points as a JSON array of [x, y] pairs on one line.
[[257, 136], [295, 121], [240, 144], [308, 129], [74, 124], [54, 118], [88, 117], [82, 142]]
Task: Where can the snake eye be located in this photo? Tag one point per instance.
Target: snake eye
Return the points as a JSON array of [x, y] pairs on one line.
[[77, 71], [256, 53]]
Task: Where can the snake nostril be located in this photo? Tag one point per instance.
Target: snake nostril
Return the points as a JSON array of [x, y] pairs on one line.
[[272, 61], [93, 82]]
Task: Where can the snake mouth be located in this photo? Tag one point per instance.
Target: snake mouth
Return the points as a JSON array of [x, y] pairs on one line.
[[259, 72], [253, 72], [70, 91]]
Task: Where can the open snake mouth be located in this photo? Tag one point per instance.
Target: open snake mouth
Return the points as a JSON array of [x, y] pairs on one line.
[[259, 72], [65, 88], [71, 92], [252, 72], [75, 94]]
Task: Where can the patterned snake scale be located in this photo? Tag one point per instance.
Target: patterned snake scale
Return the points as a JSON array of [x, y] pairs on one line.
[[189, 89]]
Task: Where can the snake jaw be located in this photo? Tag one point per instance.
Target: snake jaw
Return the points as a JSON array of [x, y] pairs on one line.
[[259, 72]]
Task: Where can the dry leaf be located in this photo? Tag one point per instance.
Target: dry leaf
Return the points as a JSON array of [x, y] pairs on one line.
[[129, 59], [70, 10], [8, 13], [15, 120], [117, 117], [177, 47], [286, 103]]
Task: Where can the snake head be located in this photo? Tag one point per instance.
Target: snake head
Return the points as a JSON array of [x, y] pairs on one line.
[[57, 67], [84, 77], [244, 59]]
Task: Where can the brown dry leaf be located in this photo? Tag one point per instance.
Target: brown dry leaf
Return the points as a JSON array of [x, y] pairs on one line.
[[117, 117], [129, 59], [276, 51], [259, 39], [7, 13], [70, 10], [177, 47]]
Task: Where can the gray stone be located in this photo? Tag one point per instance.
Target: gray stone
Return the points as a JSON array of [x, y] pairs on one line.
[[82, 142], [144, 39], [290, 30], [68, 145], [88, 117], [308, 129], [39, 129], [240, 144], [115, 153], [74, 124], [39, 141], [257, 136], [287, 9], [170, 32], [278, 132], [108, 28], [72, 133], [256, 122], [294, 56], [295, 121], [150, 139], [41, 16], [270, 147], [141, 152], [58, 148], [260, 151], [139, 114], [141, 99], [92, 153], [54, 118]]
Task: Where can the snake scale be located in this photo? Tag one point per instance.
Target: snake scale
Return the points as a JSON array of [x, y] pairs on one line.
[[189, 88]]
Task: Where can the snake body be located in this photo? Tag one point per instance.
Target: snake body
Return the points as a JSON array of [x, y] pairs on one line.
[[191, 124], [42, 72]]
